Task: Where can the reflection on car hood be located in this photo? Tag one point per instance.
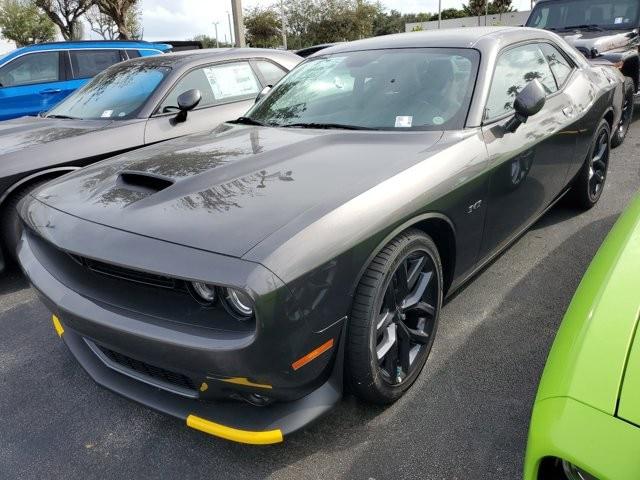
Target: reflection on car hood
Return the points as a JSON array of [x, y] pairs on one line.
[[225, 191], [26, 132], [600, 41]]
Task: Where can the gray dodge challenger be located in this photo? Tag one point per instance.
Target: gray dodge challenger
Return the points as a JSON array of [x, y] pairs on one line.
[[239, 279]]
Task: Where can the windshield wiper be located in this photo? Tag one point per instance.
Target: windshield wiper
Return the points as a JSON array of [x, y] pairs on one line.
[[248, 121], [592, 26], [333, 126], [65, 117]]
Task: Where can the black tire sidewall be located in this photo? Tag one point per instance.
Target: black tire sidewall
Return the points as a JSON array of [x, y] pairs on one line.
[[374, 387], [618, 136], [581, 194]]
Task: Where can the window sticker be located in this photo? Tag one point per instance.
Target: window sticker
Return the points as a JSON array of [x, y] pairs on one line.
[[107, 114], [438, 120], [618, 20], [404, 122], [234, 80]]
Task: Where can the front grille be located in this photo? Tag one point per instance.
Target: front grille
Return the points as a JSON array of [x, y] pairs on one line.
[[156, 373], [128, 274]]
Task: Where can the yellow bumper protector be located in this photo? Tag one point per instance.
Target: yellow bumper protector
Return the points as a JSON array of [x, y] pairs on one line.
[[235, 435], [246, 382], [57, 325]]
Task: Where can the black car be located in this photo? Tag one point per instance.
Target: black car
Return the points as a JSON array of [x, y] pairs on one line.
[[604, 31], [231, 279], [130, 105]]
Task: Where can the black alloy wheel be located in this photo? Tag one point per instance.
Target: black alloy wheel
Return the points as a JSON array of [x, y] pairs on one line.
[[588, 185], [394, 318], [599, 165], [626, 115]]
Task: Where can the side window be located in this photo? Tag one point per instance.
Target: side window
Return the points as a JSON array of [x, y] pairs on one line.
[[514, 69], [42, 67], [270, 71], [88, 63], [133, 53], [227, 82], [560, 66]]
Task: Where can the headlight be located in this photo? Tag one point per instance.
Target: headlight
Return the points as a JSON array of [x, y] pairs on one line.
[[574, 473], [204, 293], [239, 302]]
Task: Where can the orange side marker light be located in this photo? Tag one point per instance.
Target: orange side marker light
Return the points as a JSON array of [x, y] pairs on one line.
[[312, 355]]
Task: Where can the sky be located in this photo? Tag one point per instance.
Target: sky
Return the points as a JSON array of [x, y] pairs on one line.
[[183, 19]]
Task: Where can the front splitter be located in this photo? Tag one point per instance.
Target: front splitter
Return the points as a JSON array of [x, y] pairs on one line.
[[235, 421]]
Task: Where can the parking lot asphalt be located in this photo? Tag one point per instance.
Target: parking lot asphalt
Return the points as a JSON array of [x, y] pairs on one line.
[[466, 417]]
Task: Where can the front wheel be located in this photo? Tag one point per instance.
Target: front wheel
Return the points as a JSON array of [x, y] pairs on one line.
[[627, 114], [10, 226], [588, 185], [394, 318]]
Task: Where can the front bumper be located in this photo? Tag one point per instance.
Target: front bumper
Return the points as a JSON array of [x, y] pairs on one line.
[[600, 444], [233, 421], [222, 366]]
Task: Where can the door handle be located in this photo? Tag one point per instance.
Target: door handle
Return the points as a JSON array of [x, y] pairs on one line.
[[50, 91]]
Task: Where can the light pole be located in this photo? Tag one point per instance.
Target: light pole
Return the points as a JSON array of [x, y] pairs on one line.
[[215, 24], [236, 8], [486, 12], [230, 28], [439, 13], [284, 25]]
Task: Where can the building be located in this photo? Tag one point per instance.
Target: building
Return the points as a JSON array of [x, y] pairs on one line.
[[513, 19]]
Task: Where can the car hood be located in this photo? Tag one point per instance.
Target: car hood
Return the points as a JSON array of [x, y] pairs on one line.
[[27, 132], [595, 359], [629, 405], [595, 42], [227, 190]]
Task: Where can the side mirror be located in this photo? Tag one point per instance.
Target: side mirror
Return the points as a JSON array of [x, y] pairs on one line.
[[527, 103], [263, 92], [187, 101]]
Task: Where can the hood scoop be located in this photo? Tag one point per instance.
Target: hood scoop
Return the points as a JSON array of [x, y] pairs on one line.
[[143, 182]]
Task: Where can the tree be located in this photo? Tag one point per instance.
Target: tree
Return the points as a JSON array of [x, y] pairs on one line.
[[22, 22], [124, 14], [101, 24], [66, 15], [210, 42], [262, 27], [475, 8], [500, 7]]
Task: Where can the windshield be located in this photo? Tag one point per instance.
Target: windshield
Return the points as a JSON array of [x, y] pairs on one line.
[[413, 88], [117, 93], [563, 14]]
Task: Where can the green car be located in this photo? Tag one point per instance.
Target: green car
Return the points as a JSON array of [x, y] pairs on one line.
[[586, 418]]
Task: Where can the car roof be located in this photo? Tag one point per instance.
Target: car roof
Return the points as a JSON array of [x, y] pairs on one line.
[[480, 38], [85, 44], [190, 58]]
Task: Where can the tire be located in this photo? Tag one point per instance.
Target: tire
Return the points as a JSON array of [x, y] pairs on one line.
[[383, 320], [621, 131], [594, 171], [10, 226]]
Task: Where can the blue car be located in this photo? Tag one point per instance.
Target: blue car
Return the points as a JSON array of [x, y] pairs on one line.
[[35, 78]]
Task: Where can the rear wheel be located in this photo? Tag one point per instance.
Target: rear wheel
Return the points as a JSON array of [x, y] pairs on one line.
[[627, 114], [394, 318], [588, 185], [10, 226]]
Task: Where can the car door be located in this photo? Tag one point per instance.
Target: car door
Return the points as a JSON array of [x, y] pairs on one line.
[[228, 90], [31, 83], [528, 168]]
